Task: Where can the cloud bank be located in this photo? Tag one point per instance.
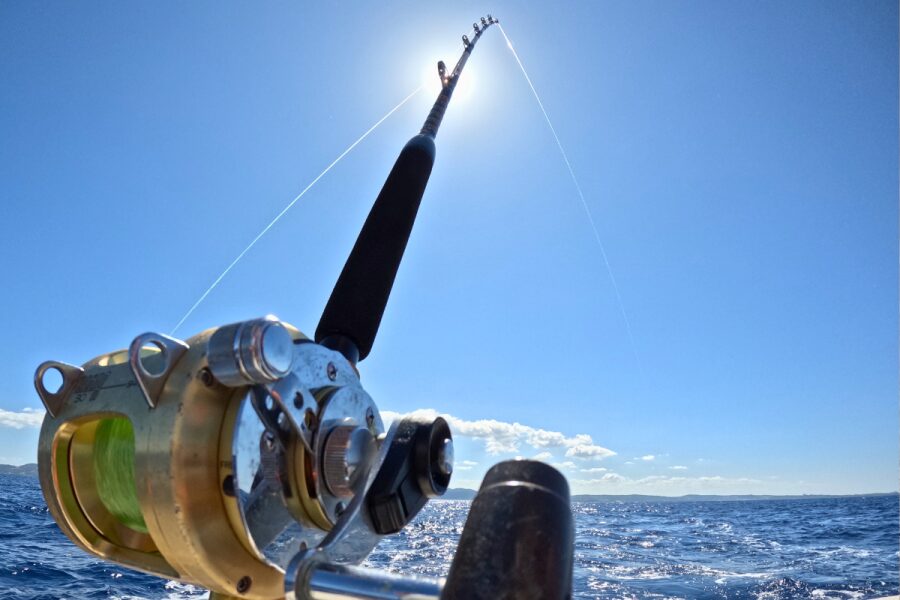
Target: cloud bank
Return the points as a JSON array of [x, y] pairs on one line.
[[28, 417], [500, 437]]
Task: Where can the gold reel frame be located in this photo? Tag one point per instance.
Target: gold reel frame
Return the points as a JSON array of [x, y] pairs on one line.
[[182, 457]]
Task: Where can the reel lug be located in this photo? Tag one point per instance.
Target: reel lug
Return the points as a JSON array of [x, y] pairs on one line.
[[54, 401], [153, 381]]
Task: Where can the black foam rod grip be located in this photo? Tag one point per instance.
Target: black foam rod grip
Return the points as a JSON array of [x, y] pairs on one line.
[[357, 302], [519, 538]]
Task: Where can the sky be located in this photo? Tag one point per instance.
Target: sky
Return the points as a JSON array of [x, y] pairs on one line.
[[740, 162]]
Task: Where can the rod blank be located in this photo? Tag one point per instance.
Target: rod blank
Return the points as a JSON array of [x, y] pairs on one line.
[[351, 318]]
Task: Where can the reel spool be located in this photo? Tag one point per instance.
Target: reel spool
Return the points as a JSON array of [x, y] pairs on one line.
[[218, 460]]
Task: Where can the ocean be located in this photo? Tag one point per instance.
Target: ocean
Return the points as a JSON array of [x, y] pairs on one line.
[[842, 548]]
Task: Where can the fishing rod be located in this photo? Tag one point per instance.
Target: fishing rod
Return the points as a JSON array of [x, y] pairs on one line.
[[353, 313], [249, 459]]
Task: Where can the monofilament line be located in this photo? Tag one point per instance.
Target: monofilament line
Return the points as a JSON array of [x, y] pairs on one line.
[[584, 203], [287, 208]]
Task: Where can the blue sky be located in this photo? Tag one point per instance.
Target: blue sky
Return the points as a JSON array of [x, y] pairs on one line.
[[740, 161]]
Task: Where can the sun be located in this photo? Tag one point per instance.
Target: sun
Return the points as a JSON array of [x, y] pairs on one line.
[[432, 81]]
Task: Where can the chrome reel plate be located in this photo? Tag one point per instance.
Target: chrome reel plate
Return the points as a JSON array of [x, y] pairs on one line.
[[321, 394]]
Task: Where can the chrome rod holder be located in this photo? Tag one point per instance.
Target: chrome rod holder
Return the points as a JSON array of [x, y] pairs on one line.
[[326, 581]]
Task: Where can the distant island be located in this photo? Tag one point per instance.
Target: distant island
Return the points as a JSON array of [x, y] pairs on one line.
[[717, 497], [467, 494], [27, 470], [31, 470]]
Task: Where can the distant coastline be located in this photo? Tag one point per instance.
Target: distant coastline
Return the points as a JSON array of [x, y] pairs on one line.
[[31, 470], [719, 497], [467, 494], [28, 470]]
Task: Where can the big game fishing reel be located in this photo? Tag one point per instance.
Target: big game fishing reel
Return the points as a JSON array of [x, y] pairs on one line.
[[250, 460], [217, 460]]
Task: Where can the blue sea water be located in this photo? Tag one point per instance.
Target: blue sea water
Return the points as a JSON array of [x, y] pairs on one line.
[[763, 549]]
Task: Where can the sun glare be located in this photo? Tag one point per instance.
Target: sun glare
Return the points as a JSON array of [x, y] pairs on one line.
[[432, 82]]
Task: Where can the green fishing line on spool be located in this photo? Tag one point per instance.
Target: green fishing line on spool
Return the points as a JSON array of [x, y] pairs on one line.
[[114, 471]]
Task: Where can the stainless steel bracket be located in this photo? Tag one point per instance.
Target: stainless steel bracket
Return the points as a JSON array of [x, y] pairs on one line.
[[162, 363], [54, 401], [292, 402], [351, 539]]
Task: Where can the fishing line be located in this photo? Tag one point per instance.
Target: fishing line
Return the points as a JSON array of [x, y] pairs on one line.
[[584, 203], [287, 208]]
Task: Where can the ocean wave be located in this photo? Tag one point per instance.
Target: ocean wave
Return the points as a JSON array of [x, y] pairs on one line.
[[840, 549]]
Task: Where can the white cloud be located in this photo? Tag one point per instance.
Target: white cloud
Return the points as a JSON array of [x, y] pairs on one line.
[[564, 465], [465, 465], [544, 456], [595, 470], [678, 468], [500, 437], [589, 451], [28, 417], [607, 478], [648, 457]]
